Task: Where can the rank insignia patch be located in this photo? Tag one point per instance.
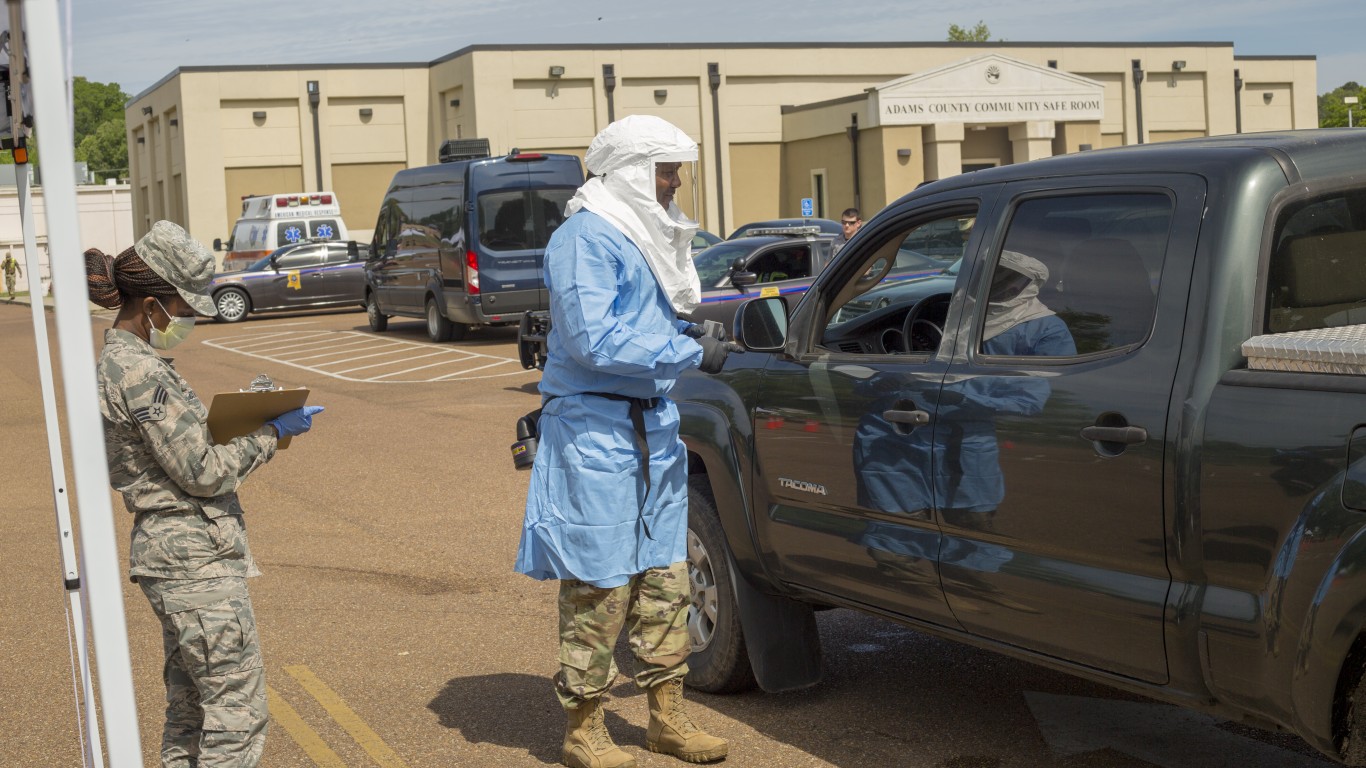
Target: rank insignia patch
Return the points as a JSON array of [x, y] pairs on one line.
[[156, 411]]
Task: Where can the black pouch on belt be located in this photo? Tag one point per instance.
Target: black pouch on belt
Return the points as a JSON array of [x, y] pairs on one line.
[[524, 450]]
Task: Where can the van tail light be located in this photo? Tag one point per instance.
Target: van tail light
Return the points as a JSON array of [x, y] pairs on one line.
[[472, 273], [525, 157]]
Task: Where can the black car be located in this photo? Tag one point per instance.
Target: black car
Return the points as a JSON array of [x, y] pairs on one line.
[[827, 226], [311, 275], [759, 265]]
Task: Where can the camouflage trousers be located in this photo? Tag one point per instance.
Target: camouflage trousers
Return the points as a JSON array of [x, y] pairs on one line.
[[215, 679], [652, 606]]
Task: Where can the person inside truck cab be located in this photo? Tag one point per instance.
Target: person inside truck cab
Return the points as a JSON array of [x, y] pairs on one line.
[[1017, 322]]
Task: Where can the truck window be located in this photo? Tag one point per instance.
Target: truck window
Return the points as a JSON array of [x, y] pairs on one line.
[[325, 229], [551, 203], [503, 221], [1316, 276], [1077, 275], [288, 232], [440, 209]]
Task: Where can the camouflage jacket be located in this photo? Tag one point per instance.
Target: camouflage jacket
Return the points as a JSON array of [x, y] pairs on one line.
[[181, 487]]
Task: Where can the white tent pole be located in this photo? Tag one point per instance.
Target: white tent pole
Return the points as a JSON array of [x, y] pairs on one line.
[[88, 725], [102, 585]]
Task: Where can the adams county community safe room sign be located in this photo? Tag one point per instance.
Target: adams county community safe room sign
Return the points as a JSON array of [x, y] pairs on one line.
[[988, 89]]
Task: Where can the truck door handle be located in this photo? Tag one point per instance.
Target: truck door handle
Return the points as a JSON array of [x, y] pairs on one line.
[[913, 418], [1121, 435]]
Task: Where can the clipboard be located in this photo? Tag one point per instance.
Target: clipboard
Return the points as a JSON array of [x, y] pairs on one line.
[[233, 414]]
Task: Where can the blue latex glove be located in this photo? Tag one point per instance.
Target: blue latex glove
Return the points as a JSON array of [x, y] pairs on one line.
[[295, 422]]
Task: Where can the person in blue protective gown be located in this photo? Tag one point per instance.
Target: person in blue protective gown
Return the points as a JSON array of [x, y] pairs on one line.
[[607, 507]]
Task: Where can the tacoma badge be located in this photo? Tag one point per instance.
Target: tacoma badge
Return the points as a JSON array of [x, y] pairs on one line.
[[802, 485]]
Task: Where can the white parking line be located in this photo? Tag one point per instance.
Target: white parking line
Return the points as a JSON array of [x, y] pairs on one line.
[[303, 350], [392, 362], [335, 350]]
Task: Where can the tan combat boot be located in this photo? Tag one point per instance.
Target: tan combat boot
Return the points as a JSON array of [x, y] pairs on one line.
[[586, 743], [671, 732]]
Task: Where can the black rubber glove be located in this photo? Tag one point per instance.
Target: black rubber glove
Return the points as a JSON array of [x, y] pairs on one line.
[[694, 331], [714, 354]]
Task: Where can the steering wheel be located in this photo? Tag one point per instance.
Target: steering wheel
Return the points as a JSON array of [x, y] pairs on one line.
[[919, 334]]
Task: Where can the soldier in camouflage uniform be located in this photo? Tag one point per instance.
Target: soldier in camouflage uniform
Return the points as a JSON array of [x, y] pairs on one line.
[[189, 551], [11, 267]]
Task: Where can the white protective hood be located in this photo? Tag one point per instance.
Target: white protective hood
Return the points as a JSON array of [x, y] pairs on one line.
[[1025, 305], [622, 190]]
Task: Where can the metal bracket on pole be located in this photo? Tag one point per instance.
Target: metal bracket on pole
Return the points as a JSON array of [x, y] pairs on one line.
[[102, 588]]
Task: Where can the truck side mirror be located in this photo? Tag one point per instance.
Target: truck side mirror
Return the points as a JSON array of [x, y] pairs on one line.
[[218, 243], [352, 250], [743, 280], [761, 324]]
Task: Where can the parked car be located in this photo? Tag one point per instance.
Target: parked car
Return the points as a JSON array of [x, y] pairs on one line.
[[1170, 499], [461, 243], [309, 275], [826, 226], [703, 240], [769, 264]]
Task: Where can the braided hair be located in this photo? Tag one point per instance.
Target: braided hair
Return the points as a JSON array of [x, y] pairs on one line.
[[117, 280]]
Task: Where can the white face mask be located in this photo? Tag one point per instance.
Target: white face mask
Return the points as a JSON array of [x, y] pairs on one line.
[[177, 329]]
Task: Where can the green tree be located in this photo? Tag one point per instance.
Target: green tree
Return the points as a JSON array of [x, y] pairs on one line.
[[1332, 110], [978, 34], [100, 133]]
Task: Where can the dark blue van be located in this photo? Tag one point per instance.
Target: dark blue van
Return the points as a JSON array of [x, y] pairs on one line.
[[462, 243]]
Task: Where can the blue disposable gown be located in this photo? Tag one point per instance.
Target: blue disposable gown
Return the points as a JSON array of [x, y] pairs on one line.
[[612, 330]]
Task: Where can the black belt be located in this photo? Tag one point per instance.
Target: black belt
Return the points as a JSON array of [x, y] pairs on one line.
[[639, 405]]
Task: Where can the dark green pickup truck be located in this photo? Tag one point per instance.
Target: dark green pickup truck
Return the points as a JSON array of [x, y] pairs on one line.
[[1064, 453]]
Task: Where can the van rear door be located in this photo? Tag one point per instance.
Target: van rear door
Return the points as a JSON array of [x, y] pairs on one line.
[[511, 224]]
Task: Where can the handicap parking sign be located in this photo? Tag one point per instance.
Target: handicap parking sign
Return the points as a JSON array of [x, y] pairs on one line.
[[808, 207]]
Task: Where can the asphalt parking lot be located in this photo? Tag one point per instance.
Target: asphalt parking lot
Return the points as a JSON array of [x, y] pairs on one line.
[[396, 633]]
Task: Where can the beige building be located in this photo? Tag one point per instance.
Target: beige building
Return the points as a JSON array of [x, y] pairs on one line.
[[843, 124]]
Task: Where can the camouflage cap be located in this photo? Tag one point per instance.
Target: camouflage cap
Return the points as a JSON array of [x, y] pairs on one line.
[[181, 261]]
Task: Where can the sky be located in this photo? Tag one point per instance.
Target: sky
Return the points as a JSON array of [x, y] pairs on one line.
[[137, 43]]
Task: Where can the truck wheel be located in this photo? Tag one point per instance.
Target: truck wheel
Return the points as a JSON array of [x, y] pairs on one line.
[[719, 662], [438, 327], [232, 304], [378, 320]]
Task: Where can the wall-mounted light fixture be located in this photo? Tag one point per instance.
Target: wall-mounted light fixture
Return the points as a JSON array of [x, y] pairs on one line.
[[1179, 64], [1267, 96], [661, 93], [556, 71], [1052, 63], [1084, 147], [146, 110], [259, 114], [903, 152], [366, 113], [175, 121], [455, 102]]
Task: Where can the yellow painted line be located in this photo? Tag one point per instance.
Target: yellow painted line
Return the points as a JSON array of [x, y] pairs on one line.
[[347, 718], [308, 739]]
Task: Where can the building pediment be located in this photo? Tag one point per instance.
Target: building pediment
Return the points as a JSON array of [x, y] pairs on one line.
[[987, 89]]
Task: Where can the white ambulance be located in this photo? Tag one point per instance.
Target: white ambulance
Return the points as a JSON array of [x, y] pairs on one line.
[[272, 221]]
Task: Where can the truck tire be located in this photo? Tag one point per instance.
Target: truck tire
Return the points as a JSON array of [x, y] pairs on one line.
[[379, 321], [719, 662], [438, 327]]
